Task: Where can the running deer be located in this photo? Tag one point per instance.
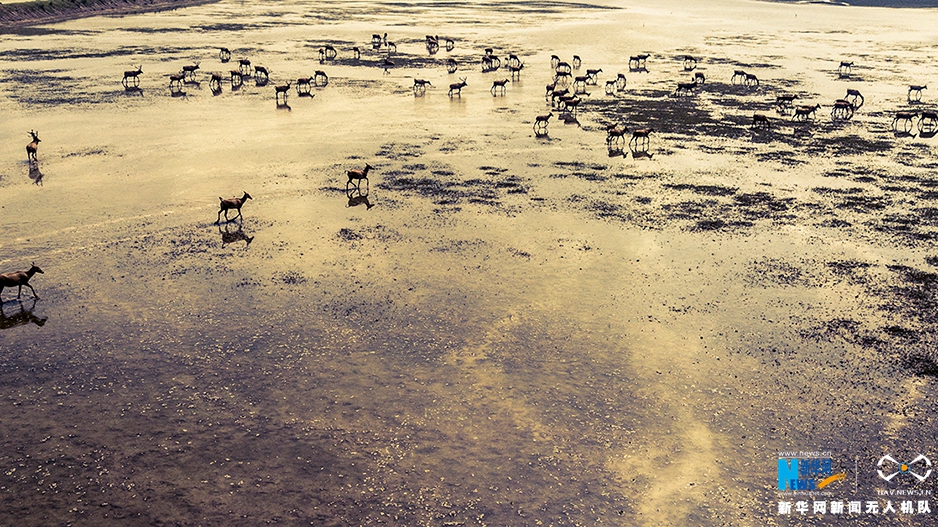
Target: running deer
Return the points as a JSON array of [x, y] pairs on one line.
[[132, 78], [19, 278], [540, 124], [457, 87], [227, 204], [357, 176], [498, 86], [32, 147]]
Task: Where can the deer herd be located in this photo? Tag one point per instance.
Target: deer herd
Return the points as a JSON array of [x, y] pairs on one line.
[[558, 93]]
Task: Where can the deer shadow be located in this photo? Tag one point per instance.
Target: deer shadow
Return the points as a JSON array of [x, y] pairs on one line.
[[356, 197], [22, 318], [34, 173], [228, 237]]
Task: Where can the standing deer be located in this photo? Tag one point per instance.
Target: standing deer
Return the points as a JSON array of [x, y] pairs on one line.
[[33, 146], [189, 71], [420, 86], [457, 87], [224, 55], [760, 121], [915, 93], [639, 140], [227, 204], [132, 77], [498, 86], [19, 278], [282, 90]]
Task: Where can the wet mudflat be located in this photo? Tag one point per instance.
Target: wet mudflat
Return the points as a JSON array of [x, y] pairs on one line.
[[513, 330]]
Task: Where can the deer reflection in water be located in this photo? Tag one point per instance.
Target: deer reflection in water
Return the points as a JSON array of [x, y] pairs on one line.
[[238, 235], [356, 197], [34, 173], [22, 318]]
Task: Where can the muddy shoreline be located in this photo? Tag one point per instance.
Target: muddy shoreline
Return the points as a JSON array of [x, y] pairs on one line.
[[14, 17]]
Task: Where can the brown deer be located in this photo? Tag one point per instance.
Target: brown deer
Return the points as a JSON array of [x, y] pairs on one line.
[[227, 204], [303, 86], [915, 92], [224, 55], [215, 83], [640, 140], [499, 86], [905, 118], [615, 134], [591, 76], [802, 113], [357, 176], [457, 87], [20, 278], [261, 75], [842, 109], [32, 147]]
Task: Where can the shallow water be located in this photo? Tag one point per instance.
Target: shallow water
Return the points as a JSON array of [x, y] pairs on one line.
[[520, 330]]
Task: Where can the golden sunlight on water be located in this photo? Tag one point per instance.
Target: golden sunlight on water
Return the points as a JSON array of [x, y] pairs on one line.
[[501, 325]]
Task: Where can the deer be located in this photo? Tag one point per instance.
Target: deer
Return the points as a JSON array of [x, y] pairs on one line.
[[20, 278], [450, 44], [227, 204], [855, 98], [215, 83], [132, 76], [621, 82], [516, 70], [577, 62], [915, 92], [451, 65], [457, 87], [303, 86], [751, 80], [498, 85], [261, 75], [686, 88], [904, 117], [175, 83], [639, 140], [928, 124], [540, 123], [563, 67], [224, 55], [610, 87], [699, 78], [33, 146], [579, 84], [739, 77], [637, 62], [278, 90], [420, 86], [244, 67], [358, 175], [760, 121], [784, 102], [803, 112], [189, 71], [320, 79], [844, 68], [615, 133], [236, 79], [591, 76], [842, 109], [357, 53], [689, 63], [557, 94]]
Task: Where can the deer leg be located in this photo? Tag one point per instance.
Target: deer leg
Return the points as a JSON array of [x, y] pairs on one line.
[[20, 292], [33, 290]]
